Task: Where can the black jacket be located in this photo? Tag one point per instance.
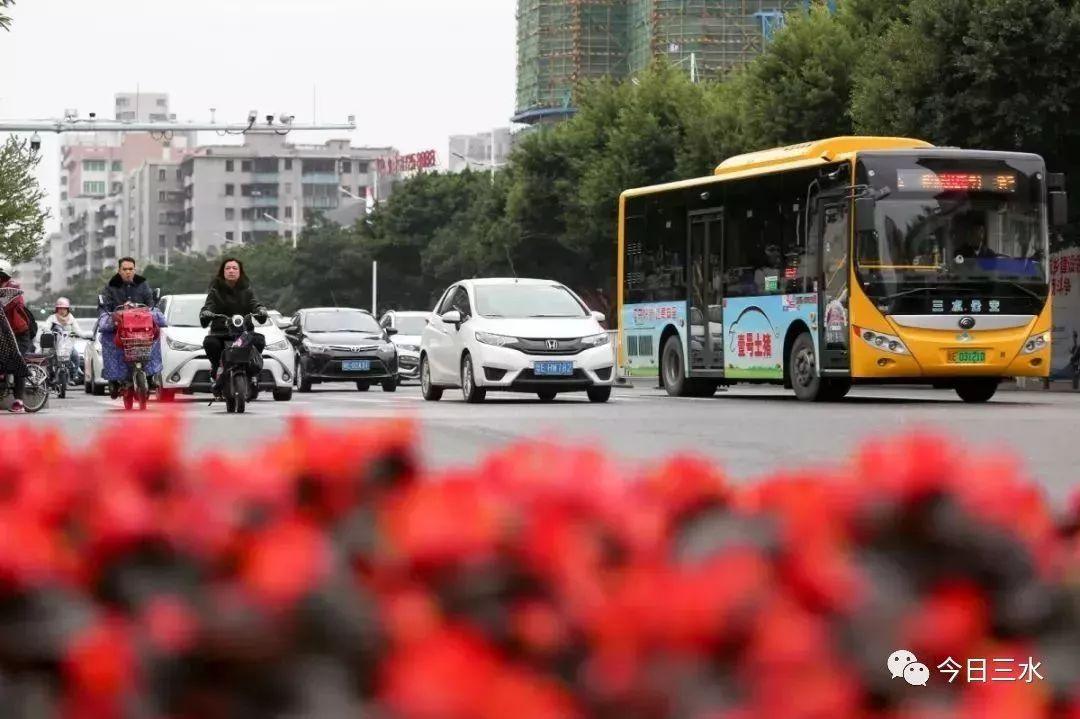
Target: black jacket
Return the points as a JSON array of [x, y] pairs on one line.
[[117, 293], [221, 299]]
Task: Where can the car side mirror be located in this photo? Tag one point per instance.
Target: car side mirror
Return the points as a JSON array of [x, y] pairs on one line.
[[1059, 208], [864, 214], [391, 331], [599, 317], [453, 317]]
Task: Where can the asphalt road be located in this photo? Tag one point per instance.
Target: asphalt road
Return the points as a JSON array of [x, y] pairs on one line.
[[748, 430]]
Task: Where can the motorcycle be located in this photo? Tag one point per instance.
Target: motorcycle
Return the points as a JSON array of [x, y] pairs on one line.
[[57, 346], [241, 363], [136, 334]]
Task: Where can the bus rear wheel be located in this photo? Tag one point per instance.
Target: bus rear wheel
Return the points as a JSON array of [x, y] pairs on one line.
[[673, 367], [979, 390]]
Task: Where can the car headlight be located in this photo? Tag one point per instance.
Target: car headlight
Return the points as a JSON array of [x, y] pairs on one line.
[[278, 346], [495, 340], [387, 349], [596, 340], [315, 349], [882, 341], [181, 346], [1036, 342]]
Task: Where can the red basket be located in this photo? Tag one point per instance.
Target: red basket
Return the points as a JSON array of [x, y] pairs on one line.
[[135, 325]]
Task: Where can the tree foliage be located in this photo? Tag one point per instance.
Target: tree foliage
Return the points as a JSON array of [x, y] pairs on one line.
[[22, 214]]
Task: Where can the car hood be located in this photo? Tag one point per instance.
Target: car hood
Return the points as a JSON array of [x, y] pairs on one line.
[[345, 339], [406, 340], [538, 327], [190, 335]]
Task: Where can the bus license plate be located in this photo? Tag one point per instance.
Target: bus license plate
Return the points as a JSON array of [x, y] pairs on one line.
[[967, 357], [356, 365], [553, 369]]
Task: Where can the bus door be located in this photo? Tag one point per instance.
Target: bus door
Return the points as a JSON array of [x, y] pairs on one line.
[[833, 237], [705, 285]]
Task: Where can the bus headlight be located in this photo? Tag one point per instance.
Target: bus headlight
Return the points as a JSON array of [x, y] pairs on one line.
[[1036, 342], [882, 341]]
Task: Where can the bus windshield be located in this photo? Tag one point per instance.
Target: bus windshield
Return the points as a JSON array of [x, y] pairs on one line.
[[954, 224]]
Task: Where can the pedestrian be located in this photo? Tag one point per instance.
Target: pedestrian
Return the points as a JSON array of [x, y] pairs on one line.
[[16, 337], [230, 293]]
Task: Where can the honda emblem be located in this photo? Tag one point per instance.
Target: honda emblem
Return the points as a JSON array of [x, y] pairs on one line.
[[553, 344]]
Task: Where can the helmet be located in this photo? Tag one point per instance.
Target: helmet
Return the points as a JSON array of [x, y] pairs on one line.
[[63, 303]]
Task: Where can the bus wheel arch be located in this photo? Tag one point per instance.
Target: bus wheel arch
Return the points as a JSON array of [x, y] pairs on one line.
[[667, 332], [797, 328]]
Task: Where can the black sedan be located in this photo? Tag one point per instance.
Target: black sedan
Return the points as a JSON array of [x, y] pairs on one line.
[[340, 344]]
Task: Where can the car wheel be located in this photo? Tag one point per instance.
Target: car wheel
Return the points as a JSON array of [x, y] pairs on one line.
[[389, 385], [302, 382], [363, 386], [88, 387], [469, 391], [546, 395], [429, 391], [598, 394], [283, 395], [978, 390]]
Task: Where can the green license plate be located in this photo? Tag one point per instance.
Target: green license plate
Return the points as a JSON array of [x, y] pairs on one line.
[[967, 357]]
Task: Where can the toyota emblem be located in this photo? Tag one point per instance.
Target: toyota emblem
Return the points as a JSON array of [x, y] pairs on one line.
[[553, 344], [967, 323]]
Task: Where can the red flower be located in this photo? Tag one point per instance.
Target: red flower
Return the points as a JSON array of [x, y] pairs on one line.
[[285, 562]]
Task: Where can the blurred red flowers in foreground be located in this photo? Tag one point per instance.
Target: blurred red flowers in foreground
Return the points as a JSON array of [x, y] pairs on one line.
[[328, 575]]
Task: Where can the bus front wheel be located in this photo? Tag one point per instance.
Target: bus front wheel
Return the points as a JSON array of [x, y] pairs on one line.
[[980, 390], [802, 366]]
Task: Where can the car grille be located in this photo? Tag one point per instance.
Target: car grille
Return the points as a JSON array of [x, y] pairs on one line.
[[353, 349], [570, 346]]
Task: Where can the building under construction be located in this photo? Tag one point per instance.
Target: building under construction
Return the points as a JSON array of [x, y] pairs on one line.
[[563, 42]]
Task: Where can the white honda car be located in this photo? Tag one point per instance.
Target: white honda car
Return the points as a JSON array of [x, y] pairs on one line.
[[515, 335], [185, 368]]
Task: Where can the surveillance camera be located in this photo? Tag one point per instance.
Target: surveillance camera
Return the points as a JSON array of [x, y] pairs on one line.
[[269, 119], [286, 119], [253, 115], [93, 115], [35, 142]]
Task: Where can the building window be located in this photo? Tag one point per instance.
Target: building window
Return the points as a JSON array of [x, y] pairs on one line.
[[228, 166], [346, 166], [288, 188], [93, 188], [63, 196], [230, 213], [161, 196], [179, 175], [93, 166], [161, 239], [246, 236], [121, 102], [288, 212], [228, 236], [117, 166], [229, 190], [161, 102], [161, 175], [245, 166], [288, 163]]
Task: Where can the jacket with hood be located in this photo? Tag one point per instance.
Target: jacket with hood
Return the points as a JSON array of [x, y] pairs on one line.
[[117, 293], [221, 299]]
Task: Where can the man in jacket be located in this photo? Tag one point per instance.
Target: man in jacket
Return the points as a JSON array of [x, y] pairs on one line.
[[230, 294], [125, 286]]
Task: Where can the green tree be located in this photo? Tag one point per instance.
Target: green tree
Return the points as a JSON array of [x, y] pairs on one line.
[[22, 216], [5, 19]]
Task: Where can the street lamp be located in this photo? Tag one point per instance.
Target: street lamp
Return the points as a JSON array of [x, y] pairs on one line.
[[270, 217]]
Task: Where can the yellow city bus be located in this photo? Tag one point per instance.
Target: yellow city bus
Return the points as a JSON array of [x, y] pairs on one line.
[[850, 260]]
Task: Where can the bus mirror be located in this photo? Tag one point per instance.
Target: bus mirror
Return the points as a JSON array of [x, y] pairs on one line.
[[1059, 209], [864, 214]]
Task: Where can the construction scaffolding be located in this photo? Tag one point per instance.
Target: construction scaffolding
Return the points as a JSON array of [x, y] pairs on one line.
[[562, 43], [713, 35]]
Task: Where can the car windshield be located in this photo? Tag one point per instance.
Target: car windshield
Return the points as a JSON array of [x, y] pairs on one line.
[[947, 224], [341, 321], [184, 312], [410, 325], [86, 326], [527, 301]]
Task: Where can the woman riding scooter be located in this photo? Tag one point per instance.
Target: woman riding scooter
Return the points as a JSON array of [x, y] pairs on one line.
[[65, 321], [230, 294]]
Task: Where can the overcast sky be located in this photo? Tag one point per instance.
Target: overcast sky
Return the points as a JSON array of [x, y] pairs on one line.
[[414, 72]]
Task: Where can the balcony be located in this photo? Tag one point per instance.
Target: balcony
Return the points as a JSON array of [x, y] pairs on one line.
[[320, 178], [264, 176], [262, 201]]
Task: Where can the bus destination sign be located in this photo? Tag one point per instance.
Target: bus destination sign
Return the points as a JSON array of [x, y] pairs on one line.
[[930, 181]]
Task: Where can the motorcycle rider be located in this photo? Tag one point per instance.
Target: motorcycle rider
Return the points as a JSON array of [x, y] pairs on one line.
[[125, 287], [63, 319], [230, 293]]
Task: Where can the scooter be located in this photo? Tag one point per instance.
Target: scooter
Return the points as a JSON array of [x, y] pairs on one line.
[[57, 346], [241, 363], [136, 334]]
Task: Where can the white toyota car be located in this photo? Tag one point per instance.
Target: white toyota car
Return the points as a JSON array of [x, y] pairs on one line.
[[409, 326], [515, 335], [185, 368]]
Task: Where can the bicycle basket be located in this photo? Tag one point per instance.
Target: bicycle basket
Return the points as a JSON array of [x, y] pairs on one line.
[[136, 349]]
